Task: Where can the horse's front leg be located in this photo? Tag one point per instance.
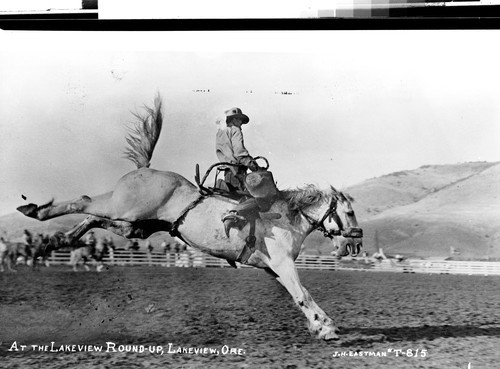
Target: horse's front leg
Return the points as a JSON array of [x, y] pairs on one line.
[[320, 324], [73, 260], [119, 227]]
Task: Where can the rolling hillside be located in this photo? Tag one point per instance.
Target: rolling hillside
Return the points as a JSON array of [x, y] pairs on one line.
[[377, 195], [433, 210], [426, 212]]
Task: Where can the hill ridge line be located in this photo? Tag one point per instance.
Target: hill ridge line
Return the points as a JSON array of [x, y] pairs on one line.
[[457, 181]]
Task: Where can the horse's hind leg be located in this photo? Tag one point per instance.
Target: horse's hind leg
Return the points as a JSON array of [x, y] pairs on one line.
[[85, 265], [99, 267], [320, 324], [10, 261], [119, 227], [99, 205], [73, 260]]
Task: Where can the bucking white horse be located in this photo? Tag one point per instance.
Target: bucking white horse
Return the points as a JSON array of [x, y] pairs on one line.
[[146, 201]]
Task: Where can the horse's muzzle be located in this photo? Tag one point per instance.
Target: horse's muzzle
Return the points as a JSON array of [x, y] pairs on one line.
[[353, 233]]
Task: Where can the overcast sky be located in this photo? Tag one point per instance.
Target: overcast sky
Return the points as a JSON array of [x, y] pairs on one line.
[[361, 104]]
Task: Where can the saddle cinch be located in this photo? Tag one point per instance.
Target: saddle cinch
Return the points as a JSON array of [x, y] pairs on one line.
[[254, 203]]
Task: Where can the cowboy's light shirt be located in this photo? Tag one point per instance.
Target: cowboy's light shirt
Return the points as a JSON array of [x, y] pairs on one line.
[[230, 147]]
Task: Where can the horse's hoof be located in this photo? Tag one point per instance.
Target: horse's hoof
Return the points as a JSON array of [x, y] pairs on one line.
[[329, 333], [331, 337], [30, 210]]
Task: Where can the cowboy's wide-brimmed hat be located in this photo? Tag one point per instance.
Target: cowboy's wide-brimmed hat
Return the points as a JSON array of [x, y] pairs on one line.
[[236, 113]]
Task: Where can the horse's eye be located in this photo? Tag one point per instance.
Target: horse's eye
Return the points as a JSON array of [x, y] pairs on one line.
[[350, 213]]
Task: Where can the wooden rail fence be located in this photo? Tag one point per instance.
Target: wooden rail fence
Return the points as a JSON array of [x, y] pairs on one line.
[[198, 259]]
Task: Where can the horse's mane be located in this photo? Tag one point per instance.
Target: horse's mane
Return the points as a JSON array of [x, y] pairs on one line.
[[300, 198], [344, 196], [144, 135]]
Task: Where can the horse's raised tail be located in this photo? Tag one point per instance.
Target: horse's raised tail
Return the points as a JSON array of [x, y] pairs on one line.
[[143, 136]]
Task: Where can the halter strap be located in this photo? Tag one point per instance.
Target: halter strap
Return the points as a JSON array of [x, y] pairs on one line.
[[319, 224]]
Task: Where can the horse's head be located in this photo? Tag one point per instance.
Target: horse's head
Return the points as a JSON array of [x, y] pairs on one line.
[[330, 212], [346, 218], [349, 236]]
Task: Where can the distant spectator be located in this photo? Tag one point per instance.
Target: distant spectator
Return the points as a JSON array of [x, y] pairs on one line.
[[177, 250], [149, 248], [167, 249], [182, 257], [132, 246], [110, 245], [100, 252], [27, 238], [165, 246]]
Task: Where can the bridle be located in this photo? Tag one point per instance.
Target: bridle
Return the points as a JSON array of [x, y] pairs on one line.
[[319, 225]]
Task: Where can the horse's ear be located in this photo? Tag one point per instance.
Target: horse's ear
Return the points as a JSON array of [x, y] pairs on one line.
[[348, 197]]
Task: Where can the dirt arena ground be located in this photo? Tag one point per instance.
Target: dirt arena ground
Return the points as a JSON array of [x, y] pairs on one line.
[[226, 318]]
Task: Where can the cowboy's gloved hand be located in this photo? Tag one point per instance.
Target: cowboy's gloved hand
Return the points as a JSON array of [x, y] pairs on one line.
[[253, 166]]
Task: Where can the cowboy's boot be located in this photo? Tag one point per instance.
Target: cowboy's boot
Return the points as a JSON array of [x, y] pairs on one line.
[[233, 219]]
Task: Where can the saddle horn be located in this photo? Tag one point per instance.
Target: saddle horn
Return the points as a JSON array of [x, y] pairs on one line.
[[197, 175]]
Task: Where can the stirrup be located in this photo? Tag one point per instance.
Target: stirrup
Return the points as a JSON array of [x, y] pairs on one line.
[[232, 219]]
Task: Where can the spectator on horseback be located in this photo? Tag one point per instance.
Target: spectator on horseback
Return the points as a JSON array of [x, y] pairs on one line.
[[90, 239], [230, 148]]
